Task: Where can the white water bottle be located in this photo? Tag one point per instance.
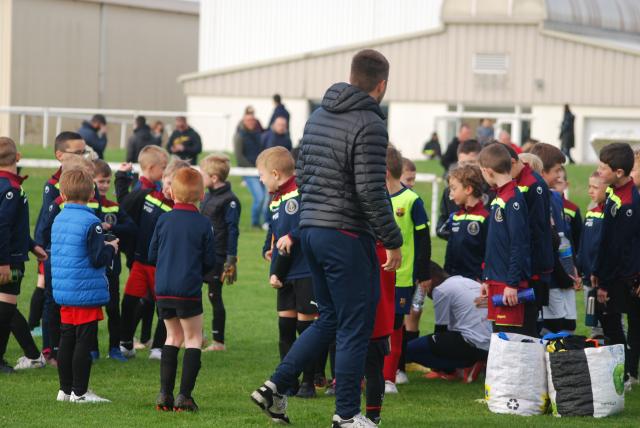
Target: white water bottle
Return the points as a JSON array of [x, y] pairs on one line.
[[566, 255]]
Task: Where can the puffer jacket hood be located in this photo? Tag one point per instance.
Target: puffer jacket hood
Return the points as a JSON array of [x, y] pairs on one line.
[[343, 97]]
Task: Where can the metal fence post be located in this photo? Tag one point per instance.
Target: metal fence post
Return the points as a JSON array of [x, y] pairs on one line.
[[58, 125], [23, 120], [435, 192], [123, 135], [45, 127]]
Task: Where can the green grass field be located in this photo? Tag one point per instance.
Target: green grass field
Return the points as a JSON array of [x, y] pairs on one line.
[[28, 398]]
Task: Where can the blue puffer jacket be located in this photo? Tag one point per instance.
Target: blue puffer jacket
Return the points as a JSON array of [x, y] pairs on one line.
[[76, 281]]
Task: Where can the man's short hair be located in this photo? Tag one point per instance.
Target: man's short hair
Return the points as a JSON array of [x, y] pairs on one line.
[[187, 185], [99, 118], [77, 184], [468, 147], [63, 138], [618, 156], [181, 118], [216, 164], [152, 155], [8, 151], [101, 168], [549, 155], [497, 158], [532, 160], [438, 276], [368, 68], [174, 166], [408, 165], [394, 162], [469, 175], [277, 158], [141, 121], [277, 99]]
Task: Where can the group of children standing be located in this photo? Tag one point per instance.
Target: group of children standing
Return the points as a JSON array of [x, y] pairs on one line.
[[507, 223], [79, 237]]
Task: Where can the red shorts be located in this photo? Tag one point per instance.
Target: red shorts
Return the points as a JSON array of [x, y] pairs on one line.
[[141, 281], [385, 312], [75, 315], [41, 268], [504, 315]]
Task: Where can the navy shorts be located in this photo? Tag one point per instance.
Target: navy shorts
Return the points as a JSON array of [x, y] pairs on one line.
[[404, 296]]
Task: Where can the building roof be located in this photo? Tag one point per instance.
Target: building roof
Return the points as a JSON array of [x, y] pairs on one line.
[[546, 60], [190, 7]]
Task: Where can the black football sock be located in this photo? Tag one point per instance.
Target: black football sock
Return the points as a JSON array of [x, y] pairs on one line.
[[6, 315], [407, 337], [309, 370], [20, 329], [219, 313], [168, 367], [160, 336], [129, 304], [190, 369], [287, 332], [36, 307]]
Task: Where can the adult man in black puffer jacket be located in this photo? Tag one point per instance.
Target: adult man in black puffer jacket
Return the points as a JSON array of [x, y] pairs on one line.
[[344, 208]]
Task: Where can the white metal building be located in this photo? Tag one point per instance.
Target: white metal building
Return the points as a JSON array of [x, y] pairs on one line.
[[516, 61], [110, 54]]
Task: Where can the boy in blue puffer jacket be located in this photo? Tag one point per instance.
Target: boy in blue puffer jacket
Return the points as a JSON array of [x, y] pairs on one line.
[[79, 256]]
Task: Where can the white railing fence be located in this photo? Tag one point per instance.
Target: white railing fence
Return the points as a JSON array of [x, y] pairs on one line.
[[242, 172], [123, 118]]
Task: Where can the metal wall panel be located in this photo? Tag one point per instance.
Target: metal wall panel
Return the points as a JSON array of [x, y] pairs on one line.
[[437, 67], [234, 32]]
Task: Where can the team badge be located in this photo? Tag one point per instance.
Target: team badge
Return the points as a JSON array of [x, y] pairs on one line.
[[589, 222], [233, 204], [473, 228], [629, 212], [614, 210], [291, 207], [9, 195], [98, 229], [46, 189], [516, 206], [400, 212], [111, 218], [403, 302], [539, 190], [498, 215]]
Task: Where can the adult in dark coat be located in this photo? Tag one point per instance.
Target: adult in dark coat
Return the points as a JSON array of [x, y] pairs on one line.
[[450, 156], [277, 135], [279, 110], [94, 133], [185, 142], [141, 138], [247, 147], [567, 135], [344, 210]]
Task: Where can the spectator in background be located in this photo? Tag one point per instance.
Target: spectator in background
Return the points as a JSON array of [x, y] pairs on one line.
[[141, 138], [247, 147], [185, 142], [279, 111], [485, 132], [157, 131], [432, 147], [505, 138], [451, 155], [277, 135], [94, 133], [250, 110], [567, 136]]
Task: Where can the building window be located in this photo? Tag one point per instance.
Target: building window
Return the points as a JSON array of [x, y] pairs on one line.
[[490, 63]]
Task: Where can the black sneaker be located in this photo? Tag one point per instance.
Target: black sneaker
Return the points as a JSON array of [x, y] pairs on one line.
[[306, 390], [273, 404], [185, 404], [164, 402], [5, 367]]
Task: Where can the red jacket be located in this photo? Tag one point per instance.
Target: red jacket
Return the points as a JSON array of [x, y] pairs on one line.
[[385, 311]]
